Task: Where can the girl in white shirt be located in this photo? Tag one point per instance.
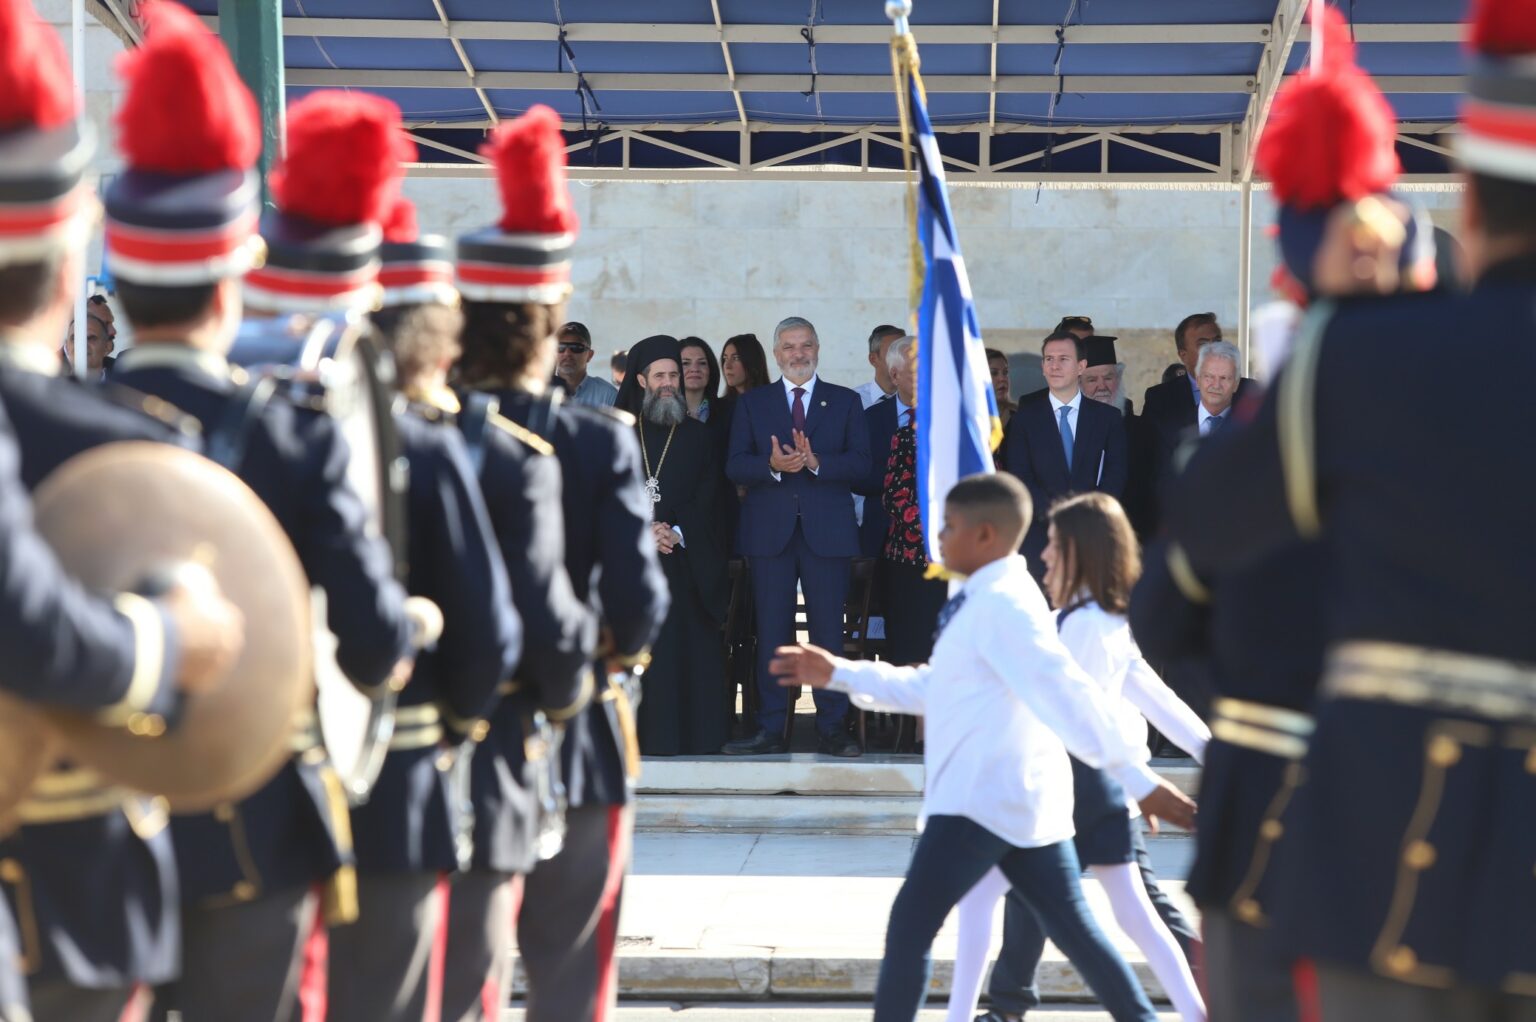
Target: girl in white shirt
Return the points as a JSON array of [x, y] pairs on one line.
[[1092, 561]]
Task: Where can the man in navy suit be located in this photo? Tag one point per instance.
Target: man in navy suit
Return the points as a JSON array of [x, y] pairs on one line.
[[798, 446], [1169, 410], [1060, 442]]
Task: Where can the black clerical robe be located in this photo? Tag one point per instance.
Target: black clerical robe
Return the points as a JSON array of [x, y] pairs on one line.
[[687, 707]]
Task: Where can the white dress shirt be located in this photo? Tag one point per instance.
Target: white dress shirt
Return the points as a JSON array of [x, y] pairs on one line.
[[809, 386], [869, 392], [1001, 695], [1205, 418], [1102, 645], [1075, 404]]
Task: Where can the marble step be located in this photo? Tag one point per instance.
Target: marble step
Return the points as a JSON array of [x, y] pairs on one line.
[[811, 774]]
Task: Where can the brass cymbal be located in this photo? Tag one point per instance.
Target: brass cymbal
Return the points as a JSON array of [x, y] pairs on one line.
[[127, 512]]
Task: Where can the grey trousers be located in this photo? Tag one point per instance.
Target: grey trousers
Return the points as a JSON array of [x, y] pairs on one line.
[[380, 967], [242, 963], [477, 976], [568, 926], [60, 1002], [1245, 979], [1348, 995]]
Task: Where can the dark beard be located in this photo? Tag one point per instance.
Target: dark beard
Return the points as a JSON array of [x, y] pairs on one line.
[[660, 410]]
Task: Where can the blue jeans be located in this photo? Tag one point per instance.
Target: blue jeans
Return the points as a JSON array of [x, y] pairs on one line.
[[954, 853], [1014, 987]]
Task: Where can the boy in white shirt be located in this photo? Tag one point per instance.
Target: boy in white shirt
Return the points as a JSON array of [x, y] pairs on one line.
[[1001, 694]]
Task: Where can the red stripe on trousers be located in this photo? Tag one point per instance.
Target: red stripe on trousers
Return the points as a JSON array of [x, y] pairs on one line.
[[1309, 1005], [439, 961], [608, 921], [313, 993]]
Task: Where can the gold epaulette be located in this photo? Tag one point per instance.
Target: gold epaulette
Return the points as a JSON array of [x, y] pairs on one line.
[[523, 433], [152, 407], [618, 414]]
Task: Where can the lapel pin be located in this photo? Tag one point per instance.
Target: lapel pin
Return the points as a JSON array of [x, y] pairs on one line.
[[823, 404]]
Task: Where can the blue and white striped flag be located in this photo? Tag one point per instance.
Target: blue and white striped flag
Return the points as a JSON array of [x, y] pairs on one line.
[[957, 421]]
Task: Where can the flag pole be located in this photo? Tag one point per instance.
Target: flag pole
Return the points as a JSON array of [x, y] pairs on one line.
[[904, 66]]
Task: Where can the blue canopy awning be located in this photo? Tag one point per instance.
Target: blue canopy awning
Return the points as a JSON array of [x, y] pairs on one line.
[[1021, 90]]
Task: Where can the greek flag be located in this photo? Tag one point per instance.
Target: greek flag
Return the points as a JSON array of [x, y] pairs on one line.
[[957, 421]]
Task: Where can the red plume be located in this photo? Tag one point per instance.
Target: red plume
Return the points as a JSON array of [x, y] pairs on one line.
[[529, 154], [187, 111], [35, 85], [400, 223], [344, 156], [1331, 134], [1338, 44], [1503, 28]]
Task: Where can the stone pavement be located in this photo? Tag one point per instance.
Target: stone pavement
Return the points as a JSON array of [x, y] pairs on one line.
[[635, 1012], [797, 916]]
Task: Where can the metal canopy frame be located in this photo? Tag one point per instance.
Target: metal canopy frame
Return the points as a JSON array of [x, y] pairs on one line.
[[1207, 151]]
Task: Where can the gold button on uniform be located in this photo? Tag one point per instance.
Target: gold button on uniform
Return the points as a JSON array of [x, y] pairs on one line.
[[10, 871], [1272, 830], [1419, 855], [244, 890], [479, 731], [1402, 961], [1530, 761], [224, 812], [1249, 911], [1443, 751]]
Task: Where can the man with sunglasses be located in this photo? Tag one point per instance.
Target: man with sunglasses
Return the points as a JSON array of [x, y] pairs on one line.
[[575, 353]]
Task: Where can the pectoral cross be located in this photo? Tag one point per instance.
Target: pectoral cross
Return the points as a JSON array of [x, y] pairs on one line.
[[653, 489]]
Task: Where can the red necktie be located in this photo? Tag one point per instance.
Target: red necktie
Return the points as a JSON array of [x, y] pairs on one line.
[[798, 414]]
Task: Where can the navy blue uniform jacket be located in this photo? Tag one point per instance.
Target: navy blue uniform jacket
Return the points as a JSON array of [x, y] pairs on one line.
[[408, 822], [284, 835], [1414, 835], [612, 562]]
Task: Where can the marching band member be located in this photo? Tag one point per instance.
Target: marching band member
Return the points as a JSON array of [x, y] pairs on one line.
[[1262, 627], [1407, 870], [389, 965], [91, 871], [181, 230], [515, 278]]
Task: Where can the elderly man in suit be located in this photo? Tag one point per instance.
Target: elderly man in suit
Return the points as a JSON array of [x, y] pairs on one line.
[[798, 447], [1061, 442]]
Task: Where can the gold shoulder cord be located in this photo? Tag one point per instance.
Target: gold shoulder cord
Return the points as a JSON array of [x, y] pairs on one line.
[[1297, 421]]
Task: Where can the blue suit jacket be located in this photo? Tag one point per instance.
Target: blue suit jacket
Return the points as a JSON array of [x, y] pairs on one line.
[[880, 418], [822, 502], [1032, 451]]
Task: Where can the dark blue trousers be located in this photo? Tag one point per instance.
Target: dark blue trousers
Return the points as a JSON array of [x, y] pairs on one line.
[[955, 852], [824, 581]]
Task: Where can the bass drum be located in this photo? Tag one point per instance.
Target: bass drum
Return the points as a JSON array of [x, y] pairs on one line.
[[334, 364]]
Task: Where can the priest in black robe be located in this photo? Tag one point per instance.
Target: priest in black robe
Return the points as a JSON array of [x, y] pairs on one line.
[[687, 706]]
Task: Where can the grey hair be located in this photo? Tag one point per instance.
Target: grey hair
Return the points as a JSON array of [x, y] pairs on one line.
[[899, 351], [1219, 349], [794, 323]]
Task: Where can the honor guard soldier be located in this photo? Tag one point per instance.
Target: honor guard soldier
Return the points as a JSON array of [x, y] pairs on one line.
[[515, 277], [406, 836], [1407, 870], [90, 872], [1261, 628], [181, 223]]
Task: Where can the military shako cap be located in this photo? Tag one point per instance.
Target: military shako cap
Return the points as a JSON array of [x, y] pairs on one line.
[[185, 209], [526, 256], [417, 268], [1498, 115], [44, 147], [340, 177]]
